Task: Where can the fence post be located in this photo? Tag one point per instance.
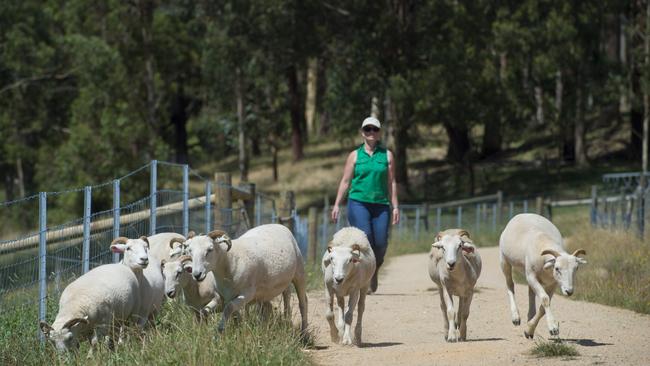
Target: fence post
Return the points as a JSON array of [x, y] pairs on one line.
[[186, 197], [85, 252], [312, 239], [223, 201], [438, 214], [426, 216], [478, 217], [153, 191], [208, 202], [287, 207], [459, 217], [116, 215], [538, 205], [525, 206], [641, 211], [511, 208], [417, 223], [326, 216], [249, 203], [258, 210], [594, 205], [494, 217], [499, 205], [42, 259]]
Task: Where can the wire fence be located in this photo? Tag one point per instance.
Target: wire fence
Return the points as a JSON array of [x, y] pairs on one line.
[[73, 229], [621, 203]]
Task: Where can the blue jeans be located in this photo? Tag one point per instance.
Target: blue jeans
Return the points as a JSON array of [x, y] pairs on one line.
[[372, 219]]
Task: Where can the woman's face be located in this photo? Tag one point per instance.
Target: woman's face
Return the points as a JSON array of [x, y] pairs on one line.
[[371, 133]]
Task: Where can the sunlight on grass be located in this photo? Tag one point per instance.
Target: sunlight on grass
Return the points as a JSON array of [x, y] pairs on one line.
[[554, 348]]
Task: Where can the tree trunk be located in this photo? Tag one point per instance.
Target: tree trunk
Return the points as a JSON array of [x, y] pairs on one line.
[[20, 176], [579, 131], [310, 102], [274, 151], [401, 158], [179, 117], [322, 114], [243, 156], [646, 96], [146, 9], [459, 144], [539, 105], [296, 113]]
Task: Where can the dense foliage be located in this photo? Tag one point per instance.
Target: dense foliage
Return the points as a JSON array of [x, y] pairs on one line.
[[93, 89]]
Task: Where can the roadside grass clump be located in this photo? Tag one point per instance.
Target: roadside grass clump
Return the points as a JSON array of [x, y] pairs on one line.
[[554, 348]]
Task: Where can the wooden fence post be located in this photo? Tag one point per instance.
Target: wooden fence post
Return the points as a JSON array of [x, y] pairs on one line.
[[287, 205], [249, 203], [312, 239], [499, 205], [539, 205], [223, 201], [594, 205]]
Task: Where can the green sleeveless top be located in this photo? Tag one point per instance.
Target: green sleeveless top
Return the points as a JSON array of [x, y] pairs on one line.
[[370, 180]]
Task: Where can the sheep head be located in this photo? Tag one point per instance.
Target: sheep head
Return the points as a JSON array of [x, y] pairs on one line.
[[343, 260], [136, 251], [66, 338], [453, 246], [564, 267]]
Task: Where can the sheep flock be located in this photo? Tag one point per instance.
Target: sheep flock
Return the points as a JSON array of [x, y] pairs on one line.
[[214, 273]]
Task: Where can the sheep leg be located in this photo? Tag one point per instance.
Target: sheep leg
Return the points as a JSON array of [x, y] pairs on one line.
[[349, 315], [463, 310], [531, 303], [361, 306], [545, 308], [506, 268], [286, 301], [301, 291], [443, 307], [452, 335], [210, 307], [340, 321], [329, 315], [233, 306]]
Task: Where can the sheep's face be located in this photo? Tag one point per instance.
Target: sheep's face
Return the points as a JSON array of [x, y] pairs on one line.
[[452, 247], [136, 252], [202, 250], [66, 338], [564, 267], [175, 277], [343, 261]]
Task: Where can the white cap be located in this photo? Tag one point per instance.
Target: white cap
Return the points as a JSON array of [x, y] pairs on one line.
[[371, 121]]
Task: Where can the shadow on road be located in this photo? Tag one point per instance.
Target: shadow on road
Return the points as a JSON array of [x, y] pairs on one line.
[[485, 339], [587, 342], [379, 345]]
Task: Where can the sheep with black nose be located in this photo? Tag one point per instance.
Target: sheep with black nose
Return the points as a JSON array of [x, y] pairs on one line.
[[532, 243], [454, 265], [348, 266]]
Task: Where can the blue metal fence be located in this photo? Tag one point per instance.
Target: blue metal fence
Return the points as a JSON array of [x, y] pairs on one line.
[[38, 259]]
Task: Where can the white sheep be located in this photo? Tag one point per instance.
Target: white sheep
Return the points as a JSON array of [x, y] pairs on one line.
[[348, 266], [454, 265], [97, 303], [202, 297], [532, 243], [258, 266], [160, 244]]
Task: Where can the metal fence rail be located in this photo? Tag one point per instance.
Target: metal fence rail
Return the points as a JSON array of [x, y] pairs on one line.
[[72, 236]]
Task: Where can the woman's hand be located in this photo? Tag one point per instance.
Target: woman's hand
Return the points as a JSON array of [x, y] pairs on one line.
[[395, 215], [335, 213]]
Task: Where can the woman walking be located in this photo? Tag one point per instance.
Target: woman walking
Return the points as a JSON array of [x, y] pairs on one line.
[[369, 174]]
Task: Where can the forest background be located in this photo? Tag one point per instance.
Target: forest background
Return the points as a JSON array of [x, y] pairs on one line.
[[90, 90]]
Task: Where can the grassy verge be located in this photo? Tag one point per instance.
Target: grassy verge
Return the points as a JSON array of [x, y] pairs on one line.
[[176, 339], [554, 348]]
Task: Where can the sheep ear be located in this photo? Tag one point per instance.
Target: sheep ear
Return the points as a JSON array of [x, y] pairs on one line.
[[551, 252], [191, 234], [118, 248], [329, 249], [468, 248], [549, 264], [174, 252], [326, 259], [581, 260], [437, 244], [162, 263], [464, 233], [356, 248], [45, 328], [439, 236]]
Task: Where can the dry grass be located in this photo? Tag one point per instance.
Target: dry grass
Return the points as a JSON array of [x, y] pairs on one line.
[[554, 348], [618, 269]]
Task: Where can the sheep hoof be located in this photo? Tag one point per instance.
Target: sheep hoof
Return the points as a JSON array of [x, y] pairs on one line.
[[516, 322], [529, 336], [554, 332]]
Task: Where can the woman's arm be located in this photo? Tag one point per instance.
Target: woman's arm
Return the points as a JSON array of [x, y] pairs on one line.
[[348, 172], [392, 188]]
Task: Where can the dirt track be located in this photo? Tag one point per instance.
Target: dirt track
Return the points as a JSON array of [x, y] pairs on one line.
[[403, 325]]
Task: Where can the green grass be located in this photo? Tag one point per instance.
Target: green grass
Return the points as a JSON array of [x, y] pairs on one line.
[[554, 348], [176, 339]]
